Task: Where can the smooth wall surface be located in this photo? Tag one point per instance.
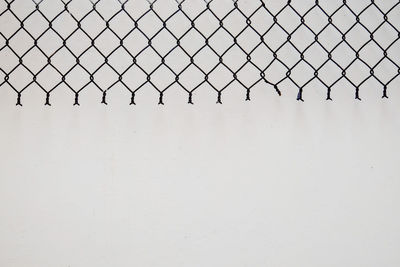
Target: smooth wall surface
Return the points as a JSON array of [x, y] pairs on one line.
[[271, 182]]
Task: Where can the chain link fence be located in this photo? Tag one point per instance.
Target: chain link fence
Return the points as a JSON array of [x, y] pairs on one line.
[[139, 45]]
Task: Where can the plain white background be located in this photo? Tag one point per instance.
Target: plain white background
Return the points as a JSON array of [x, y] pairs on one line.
[[271, 182]]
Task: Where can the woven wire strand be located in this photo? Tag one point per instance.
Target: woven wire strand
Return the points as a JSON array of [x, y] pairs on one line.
[[266, 73]]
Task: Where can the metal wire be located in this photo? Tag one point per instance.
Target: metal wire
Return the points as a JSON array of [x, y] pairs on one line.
[[276, 71]]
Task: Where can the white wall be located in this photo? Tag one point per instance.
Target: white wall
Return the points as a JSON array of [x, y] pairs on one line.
[[271, 182]]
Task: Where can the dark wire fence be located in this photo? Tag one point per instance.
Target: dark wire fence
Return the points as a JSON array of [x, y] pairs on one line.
[[226, 43]]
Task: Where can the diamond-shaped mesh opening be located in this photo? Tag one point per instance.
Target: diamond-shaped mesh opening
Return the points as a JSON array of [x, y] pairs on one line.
[[316, 55], [330, 73], [262, 56], [371, 53], [92, 59], [65, 25], [107, 42], [302, 72], [8, 59], [387, 5], [221, 41], [78, 42], [21, 8], [393, 53], [191, 77], [357, 8], [48, 78], [108, 8], [343, 19], [290, 54], [192, 42], [206, 24], [163, 42], [51, 8], [330, 7], [276, 34], [150, 24], [35, 24], [303, 7], [276, 71], [221, 9], [386, 35], [193, 8], [247, 79], [35, 60], [385, 71], [358, 37], [206, 59], [162, 77], [135, 42], [371, 18], [220, 76], [77, 77], [234, 23], [178, 24], [149, 60], [261, 21], [50, 42], [120, 60], [121, 24], [134, 77], [316, 20], [393, 14], [80, 9], [8, 24], [234, 58], [302, 38], [21, 42], [288, 20], [357, 72], [164, 9], [343, 55], [102, 77], [20, 77], [330, 38], [177, 60], [93, 25]]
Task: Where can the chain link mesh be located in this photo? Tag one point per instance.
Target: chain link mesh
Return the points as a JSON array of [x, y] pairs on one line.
[[138, 45]]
